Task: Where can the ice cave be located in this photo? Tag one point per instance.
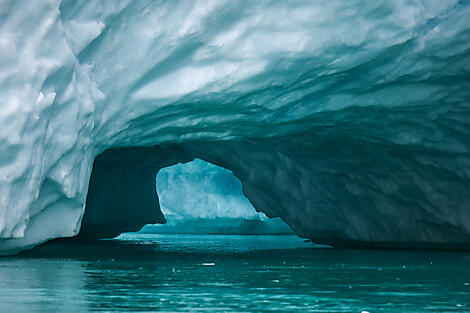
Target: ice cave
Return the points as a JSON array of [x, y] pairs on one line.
[[350, 121]]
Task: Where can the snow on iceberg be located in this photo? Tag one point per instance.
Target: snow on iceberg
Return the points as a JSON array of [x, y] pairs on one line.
[[350, 121]]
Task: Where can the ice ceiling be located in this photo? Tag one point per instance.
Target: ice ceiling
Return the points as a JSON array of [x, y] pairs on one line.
[[349, 120]]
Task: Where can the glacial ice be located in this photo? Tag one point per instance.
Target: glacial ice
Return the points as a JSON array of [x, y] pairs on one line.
[[202, 190], [202, 198], [349, 120]]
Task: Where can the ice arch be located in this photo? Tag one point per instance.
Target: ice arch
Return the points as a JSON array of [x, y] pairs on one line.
[[122, 195], [348, 120]]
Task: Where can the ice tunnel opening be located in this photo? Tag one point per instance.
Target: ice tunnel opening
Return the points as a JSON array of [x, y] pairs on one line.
[[140, 188], [199, 197]]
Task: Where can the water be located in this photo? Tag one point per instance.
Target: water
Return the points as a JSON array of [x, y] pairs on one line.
[[198, 273]]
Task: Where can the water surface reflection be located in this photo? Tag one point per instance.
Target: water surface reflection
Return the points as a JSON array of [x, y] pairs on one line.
[[231, 273]]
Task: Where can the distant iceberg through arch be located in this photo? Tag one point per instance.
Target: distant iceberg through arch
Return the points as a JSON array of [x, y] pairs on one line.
[[200, 197]]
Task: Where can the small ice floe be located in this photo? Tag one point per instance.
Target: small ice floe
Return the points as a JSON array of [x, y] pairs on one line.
[[207, 264], [365, 312]]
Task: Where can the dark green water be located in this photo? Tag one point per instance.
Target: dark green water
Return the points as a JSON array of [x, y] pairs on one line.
[[194, 273]]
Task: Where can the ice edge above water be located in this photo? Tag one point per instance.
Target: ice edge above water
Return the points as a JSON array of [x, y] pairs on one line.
[[350, 121]]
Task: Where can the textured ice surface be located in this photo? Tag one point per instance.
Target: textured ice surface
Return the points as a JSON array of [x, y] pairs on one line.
[[349, 120]]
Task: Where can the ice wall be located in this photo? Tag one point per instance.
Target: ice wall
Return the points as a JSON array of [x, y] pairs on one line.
[[348, 120]]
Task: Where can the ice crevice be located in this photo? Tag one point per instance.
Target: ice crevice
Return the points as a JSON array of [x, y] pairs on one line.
[[350, 121]]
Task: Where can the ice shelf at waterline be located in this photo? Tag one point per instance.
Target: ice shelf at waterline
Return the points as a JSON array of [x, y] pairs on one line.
[[349, 120]]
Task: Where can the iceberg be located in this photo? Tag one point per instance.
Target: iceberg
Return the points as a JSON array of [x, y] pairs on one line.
[[202, 190], [201, 198], [349, 121]]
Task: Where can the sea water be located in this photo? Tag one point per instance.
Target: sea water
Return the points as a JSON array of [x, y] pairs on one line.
[[216, 273]]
